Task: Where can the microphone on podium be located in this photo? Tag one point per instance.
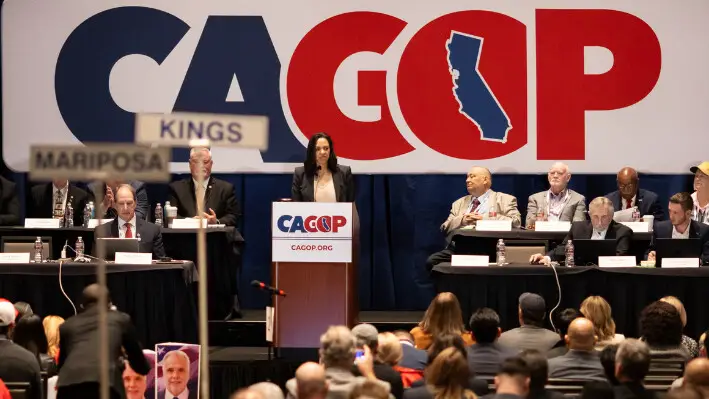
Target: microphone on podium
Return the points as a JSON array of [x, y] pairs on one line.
[[262, 286]]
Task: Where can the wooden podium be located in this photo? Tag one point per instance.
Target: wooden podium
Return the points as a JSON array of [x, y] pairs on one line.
[[314, 260]]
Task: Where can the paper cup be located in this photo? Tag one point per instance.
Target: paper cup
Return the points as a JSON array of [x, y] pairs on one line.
[[650, 219]]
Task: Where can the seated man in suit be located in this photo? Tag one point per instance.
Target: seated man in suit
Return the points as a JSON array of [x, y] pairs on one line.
[[481, 203], [600, 227], [581, 362], [49, 200], [486, 355], [559, 203], [681, 226], [127, 225], [9, 204], [629, 195], [142, 207], [220, 205]]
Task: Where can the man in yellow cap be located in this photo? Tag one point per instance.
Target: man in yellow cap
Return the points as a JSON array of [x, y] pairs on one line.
[[701, 192]]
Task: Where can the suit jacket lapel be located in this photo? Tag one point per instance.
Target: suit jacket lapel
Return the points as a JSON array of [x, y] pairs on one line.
[[693, 229], [543, 205], [191, 196], [612, 230], [114, 228], [208, 193], [337, 182], [617, 201], [48, 201], [639, 202], [492, 202]]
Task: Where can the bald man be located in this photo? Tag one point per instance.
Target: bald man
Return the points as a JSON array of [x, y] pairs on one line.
[[481, 203], [629, 195], [581, 362], [559, 203], [696, 375], [310, 381]]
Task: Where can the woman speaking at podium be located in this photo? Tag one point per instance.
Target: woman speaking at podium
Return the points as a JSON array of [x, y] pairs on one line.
[[321, 179]]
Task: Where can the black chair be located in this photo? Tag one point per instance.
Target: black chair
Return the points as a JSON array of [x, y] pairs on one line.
[[18, 244], [18, 390]]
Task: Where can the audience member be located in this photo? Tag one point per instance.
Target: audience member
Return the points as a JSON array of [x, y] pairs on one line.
[[443, 316], [134, 384], [17, 364], [446, 378], [246, 393], [598, 311], [78, 355], [531, 333], [310, 381], [689, 343], [51, 325], [367, 335], [23, 309], [597, 390], [369, 390], [661, 329], [4, 392], [564, 318], [607, 356], [632, 363], [444, 342], [337, 355], [684, 393], [512, 381], [413, 358], [538, 372], [29, 334], [696, 376], [486, 355], [581, 362], [269, 390]]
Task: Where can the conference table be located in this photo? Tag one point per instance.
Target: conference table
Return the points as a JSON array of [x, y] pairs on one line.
[[627, 289], [223, 255], [158, 297]]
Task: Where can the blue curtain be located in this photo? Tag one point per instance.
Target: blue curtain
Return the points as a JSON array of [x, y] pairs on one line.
[[400, 216]]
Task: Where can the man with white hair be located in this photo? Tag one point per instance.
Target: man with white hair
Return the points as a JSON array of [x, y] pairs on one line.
[[268, 390], [176, 376], [600, 227], [217, 196], [559, 203], [632, 363]]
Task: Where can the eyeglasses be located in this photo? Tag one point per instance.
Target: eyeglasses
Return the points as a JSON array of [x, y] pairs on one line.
[[624, 186]]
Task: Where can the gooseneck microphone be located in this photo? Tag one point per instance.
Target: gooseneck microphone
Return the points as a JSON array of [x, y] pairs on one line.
[[262, 286]]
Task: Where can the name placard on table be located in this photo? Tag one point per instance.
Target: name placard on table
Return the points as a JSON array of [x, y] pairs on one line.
[[15, 257], [93, 223], [41, 223], [134, 258], [617, 261], [188, 223], [493, 225], [552, 226], [638, 227], [470, 261], [679, 262]]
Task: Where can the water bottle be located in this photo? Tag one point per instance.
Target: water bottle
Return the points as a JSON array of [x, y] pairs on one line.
[[93, 210], [69, 215], [79, 248], [38, 250], [569, 251], [636, 214], [158, 214], [165, 213], [87, 214], [501, 253]]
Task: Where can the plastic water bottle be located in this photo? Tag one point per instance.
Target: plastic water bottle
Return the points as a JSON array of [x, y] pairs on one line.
[[501, 253], [93, 210], [87, 214], [165, 213], [69, 215], [38, 250], [636, 214], [79, 248], [158, 214], [569, 252]]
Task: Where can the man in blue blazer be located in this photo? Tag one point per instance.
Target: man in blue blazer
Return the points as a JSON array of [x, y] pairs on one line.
[[681, 226], [412, 358], [629, 195]]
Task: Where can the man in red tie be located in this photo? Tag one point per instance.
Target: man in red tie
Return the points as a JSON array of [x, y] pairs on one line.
[[630, 195], [126, 225]]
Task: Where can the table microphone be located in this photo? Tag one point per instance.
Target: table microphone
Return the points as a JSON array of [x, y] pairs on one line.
[[262, 286]]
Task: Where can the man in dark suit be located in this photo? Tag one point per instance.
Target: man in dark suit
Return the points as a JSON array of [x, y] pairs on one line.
[[220, 205], [79, 368], [632, 363], [600, 227], [413, 358], [176, 376], [127, 225], [9, 204], [681, 226], [629, 195], [49, 200], [581, 362], [17, 364], [109, 188], [486, 355]]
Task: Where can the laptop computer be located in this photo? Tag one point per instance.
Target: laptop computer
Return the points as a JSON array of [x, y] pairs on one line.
[[677, 248], [114, 245], [587, 251]]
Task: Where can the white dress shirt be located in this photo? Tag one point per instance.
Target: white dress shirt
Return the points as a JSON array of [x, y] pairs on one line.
[[122, 228], [599, 234], [183, 395], [677, 234], [624, 203]]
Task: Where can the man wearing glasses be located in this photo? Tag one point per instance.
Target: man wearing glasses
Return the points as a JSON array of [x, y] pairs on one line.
[[701, 192], [629, 195]]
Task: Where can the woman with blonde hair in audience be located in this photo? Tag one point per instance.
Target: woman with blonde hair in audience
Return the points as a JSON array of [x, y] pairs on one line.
[[389, 351], [51, 325], [447, 377], [598, 310], [688, 343], [443, 316]]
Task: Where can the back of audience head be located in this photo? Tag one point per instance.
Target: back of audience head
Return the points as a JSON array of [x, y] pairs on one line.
[[268, 390], [246, 393], [513, 377], [369, 390], [337, 347], [51, 325], [448, 374], [581, 335], [310, 381], [366, 334], [7, 317], [485, 326], [389, 349], [91, 295], [661, 325], [563, 319], [443, 316], [597, 390], [632, 361], [598, 310], [443, 342], [683, 392], [607, 357], [404, 336], [23, 309], [538, 369], [29, 334], [696, 375], [532, 309], [674, 301]]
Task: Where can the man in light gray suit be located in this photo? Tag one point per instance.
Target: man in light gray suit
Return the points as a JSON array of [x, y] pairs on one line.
[[481, 203], [531, 333], [581, 362], [559, 203]]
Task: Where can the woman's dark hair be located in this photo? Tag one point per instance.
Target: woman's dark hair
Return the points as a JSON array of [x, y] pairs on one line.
[[23, 309], [608, 362], [310, 163], [661, 325], [29, 334], [443, 342]]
